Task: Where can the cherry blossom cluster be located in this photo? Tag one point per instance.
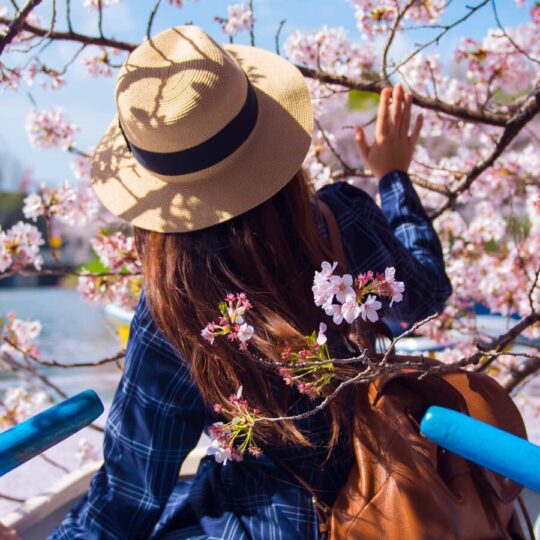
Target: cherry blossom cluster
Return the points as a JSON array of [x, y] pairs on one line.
[[80, 167], [95, 4], [86, 452], [179, 3], [309, 379], [53, 79], [495, 62], [22, 335], [231, 322], [117, 252], [10, 78], [18, 405], [64, 204], [232, 439], [50, 129], [355, 297], [240, 17], [100, 64], [123, 290], [330, 50], [376, 17], [19, 247]]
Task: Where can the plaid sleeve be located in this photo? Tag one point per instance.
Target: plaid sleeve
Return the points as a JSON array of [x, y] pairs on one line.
[[399, 234], [418, 252], [156, 418]]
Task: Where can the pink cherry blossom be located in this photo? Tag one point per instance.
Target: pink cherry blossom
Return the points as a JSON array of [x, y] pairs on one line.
[[94, 4], [239, 18], [20, 405], [245, 332], [368, 309], [50, 129], [350, 308], [86, 452], [22, 334], [80, 166], [19, 247], [117, 251], [321, 337], [342, 287]]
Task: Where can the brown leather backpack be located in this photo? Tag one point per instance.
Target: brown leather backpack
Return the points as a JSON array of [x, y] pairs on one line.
[[403, 486]]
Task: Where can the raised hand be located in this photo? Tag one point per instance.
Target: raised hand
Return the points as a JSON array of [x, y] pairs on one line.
[[393, 147]]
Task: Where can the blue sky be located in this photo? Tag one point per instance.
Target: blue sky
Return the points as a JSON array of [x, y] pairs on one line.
[[90, 102]]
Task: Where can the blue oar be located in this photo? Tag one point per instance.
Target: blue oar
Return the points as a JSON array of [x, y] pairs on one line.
[[493, 448], [33, 436]]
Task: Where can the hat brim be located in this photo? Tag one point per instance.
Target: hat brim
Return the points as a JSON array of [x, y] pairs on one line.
[[258, 169]]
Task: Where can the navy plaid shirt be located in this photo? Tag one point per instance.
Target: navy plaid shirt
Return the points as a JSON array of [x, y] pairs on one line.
[[157, 414]]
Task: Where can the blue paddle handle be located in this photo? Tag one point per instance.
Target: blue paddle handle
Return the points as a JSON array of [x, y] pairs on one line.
[[493, 448], [41, 431]]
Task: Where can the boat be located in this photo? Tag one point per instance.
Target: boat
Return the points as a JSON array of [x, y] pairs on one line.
[[39, 515]]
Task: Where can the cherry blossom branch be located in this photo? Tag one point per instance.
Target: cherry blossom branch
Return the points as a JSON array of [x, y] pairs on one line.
[[54, 363], [27, 367], [10, 414], [64, 271], [512, 128], [372, 372], [16, 23], [463, 113], [508, 37], [384, 64], [502, 341], [405, 334], [346, 168], [520, 372]]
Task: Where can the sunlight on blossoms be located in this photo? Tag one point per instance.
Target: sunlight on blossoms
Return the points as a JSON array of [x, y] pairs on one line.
[[19, 247], [50, 129]]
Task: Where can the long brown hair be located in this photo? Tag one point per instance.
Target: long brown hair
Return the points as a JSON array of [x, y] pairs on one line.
[[270, 253]]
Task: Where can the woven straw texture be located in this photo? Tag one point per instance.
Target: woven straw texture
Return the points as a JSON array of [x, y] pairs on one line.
[[174, 92]]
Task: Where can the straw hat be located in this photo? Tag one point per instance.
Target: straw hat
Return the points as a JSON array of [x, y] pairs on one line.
[[204, 132]]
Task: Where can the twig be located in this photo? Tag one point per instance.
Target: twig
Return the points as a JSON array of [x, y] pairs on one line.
[[280, 27], [502, 341], [54, 363], [252, 26], [407, 333], [11, 498], [151, 18], [347, 168], [16, 23], [519, 373], [100, 18], [384, 64], [508, 37], [531, 290]]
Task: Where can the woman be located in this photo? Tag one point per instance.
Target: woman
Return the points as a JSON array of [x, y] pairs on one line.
[[204, 160]]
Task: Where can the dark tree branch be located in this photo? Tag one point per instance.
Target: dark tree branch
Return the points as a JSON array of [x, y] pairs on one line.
[[15, 24]]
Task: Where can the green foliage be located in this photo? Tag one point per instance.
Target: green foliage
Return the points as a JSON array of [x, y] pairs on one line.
[[360, 100]]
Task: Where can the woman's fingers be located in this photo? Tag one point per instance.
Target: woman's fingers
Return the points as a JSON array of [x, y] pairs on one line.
[[417, 127], [363, 146], [397, 107], [383, 113], [406, 118]]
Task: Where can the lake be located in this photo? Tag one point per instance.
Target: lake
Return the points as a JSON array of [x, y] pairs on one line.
[[73, 331]]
